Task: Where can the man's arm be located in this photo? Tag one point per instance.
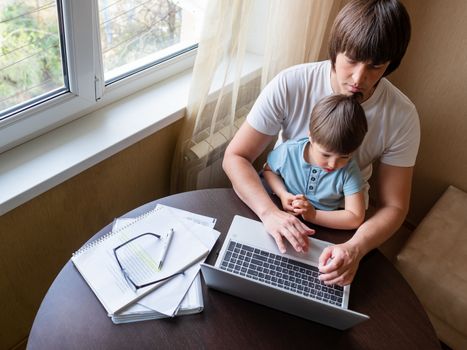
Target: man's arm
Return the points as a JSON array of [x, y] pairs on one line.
[[393, 187], [244, 148]]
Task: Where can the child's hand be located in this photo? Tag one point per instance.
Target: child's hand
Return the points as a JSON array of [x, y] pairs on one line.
[[286, 201], [301, 206]]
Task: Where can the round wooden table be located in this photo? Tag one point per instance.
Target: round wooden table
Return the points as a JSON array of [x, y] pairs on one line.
[[71, 317]]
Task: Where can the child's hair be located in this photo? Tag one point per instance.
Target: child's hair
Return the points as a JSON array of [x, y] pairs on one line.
[[375, 31], [338, 123]]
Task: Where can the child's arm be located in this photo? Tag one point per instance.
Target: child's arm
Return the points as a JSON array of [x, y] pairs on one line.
[[278, 187], [345, 219]]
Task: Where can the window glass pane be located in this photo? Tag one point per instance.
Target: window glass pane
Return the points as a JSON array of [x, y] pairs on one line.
[[31, 67], [138, 33]]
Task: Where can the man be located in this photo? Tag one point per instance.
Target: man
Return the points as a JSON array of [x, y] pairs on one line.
[[368, 41]]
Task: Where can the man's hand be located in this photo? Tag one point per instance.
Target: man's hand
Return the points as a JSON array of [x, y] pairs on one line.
[[339, 263], [280, 225]]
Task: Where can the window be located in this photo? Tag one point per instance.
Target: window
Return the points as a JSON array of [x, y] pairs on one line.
[[31, 67], [61, 59], [139, 33]]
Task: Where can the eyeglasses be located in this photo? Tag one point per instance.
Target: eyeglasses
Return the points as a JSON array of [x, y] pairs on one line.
[[136, 257]]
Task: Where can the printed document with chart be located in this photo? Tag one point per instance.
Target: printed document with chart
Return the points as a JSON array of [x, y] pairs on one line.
[[97, 263], [181, 295]]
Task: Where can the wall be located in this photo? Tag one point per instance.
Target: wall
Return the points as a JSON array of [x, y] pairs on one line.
[[434, 76], [38, 238]]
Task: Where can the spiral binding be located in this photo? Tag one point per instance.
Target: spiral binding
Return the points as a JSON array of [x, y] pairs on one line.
[[98, 241]]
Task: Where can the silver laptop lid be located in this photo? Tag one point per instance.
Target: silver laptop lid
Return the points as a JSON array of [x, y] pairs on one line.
[[244, 288], [252, 233]]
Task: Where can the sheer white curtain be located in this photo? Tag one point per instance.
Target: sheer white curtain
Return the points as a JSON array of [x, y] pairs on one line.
[[220, 95], [297, 33]]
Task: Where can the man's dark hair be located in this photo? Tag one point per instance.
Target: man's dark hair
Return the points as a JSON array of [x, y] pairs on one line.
[[338, 123], [377, 31]]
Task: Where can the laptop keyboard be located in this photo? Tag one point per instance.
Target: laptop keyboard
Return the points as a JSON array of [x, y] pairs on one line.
[[279, 271]]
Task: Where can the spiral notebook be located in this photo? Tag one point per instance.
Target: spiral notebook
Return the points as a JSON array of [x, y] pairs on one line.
[[97, 264], [181, 295]]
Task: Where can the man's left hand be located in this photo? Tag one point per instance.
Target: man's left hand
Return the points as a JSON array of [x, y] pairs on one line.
[[339, 263]]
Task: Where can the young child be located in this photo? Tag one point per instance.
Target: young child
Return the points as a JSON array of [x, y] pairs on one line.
[[312, 176]]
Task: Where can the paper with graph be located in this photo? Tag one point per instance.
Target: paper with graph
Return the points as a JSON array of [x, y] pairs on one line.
[[98, 265]]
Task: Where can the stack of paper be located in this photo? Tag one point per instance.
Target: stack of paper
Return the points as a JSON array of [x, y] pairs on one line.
[[192, 303], [193, 238]]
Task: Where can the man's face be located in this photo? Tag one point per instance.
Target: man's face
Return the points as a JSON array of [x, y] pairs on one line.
[[350, 77]]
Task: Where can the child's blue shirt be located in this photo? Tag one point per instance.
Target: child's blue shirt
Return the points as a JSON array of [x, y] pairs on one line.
[[325, 190]]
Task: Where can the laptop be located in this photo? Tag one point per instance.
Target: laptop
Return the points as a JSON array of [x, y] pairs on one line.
[[251, 267]]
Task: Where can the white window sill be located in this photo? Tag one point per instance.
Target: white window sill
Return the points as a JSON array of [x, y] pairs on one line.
[[33, 168]]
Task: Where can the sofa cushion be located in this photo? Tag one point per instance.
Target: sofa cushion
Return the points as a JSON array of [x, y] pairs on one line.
[[434, 262]]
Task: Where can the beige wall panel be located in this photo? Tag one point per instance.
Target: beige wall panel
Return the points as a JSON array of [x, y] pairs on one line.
[[434, 76], [39, 237]]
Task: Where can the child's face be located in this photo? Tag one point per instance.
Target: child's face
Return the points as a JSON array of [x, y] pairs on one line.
[[328, 161]]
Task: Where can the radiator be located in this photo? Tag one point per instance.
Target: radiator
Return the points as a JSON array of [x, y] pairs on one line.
[[203, 161]]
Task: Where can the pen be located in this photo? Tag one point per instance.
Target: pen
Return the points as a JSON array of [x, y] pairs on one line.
[[165, 248]]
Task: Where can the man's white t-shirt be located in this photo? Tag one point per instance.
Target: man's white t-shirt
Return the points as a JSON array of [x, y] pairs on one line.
[[285, 105]]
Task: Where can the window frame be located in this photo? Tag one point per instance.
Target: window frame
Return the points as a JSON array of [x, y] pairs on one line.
[[87, 89]]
